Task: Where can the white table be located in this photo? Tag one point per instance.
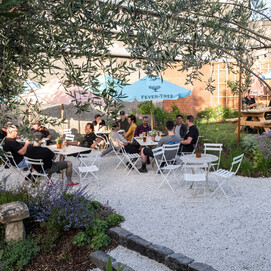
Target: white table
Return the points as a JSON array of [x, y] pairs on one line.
[[149, 141], [191, 159], [67, 150]]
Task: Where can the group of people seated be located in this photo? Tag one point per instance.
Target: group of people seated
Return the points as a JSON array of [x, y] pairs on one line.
[[185, 134], [179, 132]]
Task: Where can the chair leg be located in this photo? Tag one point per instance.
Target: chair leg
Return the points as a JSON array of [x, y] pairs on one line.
[[220, 186]]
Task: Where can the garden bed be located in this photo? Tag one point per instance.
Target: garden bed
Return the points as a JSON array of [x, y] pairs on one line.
[[62, 231]]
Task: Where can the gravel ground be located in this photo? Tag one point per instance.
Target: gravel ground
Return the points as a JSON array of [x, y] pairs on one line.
[[230, 236]]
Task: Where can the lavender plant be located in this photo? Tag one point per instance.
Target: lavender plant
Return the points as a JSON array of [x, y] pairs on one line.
[[59, 209]]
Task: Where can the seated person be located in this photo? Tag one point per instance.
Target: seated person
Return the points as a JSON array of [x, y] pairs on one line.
[[35, 151], [11, 145], [36, 127], [144, 127], [90, 140], [117, 140], [3, 132], [99, 124], [130, 133], [124, 123], [180, 128], [249, 101], [171, 138], [191, 137]]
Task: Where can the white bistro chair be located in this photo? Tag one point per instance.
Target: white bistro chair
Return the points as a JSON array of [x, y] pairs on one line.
[[198, 179], [222, 176], [37, 174], [214, 147], [165, 158], [12, 164]]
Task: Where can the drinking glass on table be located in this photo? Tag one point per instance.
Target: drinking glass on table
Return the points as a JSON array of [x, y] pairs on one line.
[[144, 139], [140, 136], [144, 134]]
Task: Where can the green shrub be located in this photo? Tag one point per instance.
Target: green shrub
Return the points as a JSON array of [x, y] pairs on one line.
[[218, 113], [99, 241], [248, 143], [9, 196], [98, 226], [145, 108], [17, 255], [260, 163], [81, 239], [114, 220], [94, 205]]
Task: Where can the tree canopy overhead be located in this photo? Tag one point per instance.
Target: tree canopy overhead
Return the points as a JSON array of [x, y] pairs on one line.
[[37, 35]]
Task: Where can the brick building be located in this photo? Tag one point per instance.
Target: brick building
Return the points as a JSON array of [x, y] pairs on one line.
[[201, 98]]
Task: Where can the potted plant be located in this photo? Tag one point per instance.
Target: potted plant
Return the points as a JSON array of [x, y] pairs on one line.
[[153, 134], [199, 148], [59, 142]]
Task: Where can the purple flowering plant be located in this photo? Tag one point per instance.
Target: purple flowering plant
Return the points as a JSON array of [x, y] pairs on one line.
[[57, 208], [264, 144]]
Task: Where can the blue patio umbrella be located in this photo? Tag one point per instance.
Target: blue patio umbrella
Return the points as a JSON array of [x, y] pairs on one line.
[[29, 85], [267, 76], [154, 89]]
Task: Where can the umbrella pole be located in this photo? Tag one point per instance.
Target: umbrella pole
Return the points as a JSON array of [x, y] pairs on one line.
[[151, 117], [62, 118], [239, 105]]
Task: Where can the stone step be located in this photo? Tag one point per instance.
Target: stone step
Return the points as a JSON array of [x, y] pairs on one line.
[[139, 254]]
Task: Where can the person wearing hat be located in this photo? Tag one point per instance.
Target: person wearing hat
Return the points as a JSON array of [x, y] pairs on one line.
[[36, 151], [38, 128], [10, 144], [124, 124]]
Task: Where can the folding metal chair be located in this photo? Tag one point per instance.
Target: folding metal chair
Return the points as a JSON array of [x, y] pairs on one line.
[[197, 177], [4, 161], [131, 158], [120, 156], [85, 168], [214, 147], [66, 131], [41, 173], [222, 175], [12, 164], [69, 137], [165, 158]]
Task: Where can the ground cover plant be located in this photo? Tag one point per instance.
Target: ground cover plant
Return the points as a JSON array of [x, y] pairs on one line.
[[62, 230]]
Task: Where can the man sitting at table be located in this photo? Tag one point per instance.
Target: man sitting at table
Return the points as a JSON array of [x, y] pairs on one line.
[[124, 123], [117, 140], [191, 137], [171, 138], [249, 101], [130, 133], [180, 128], [144, 127], [11, 145], [38, 128], [35, 151], [90, 140]]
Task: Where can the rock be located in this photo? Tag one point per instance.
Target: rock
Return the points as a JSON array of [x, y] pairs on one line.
[[14, 211], [12, 214], [178, 262]]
